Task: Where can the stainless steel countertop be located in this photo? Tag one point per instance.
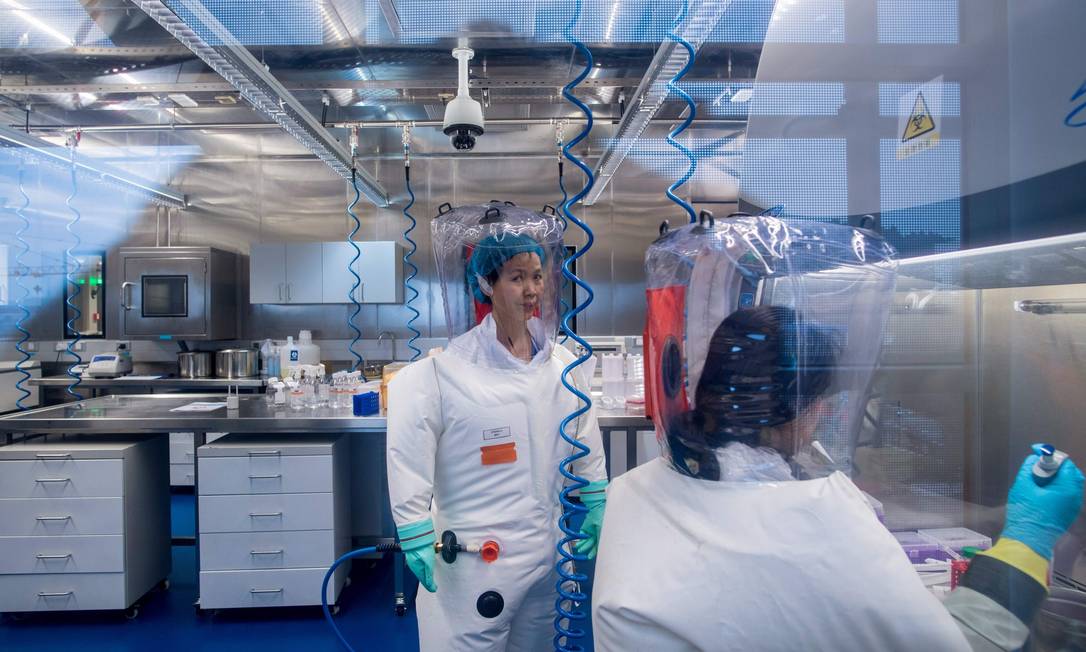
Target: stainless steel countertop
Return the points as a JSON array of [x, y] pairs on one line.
[[164, 383], [147, 413]]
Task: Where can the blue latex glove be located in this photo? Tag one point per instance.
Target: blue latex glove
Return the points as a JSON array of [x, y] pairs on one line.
[[417, 543], [594, 497], [1038, 515]]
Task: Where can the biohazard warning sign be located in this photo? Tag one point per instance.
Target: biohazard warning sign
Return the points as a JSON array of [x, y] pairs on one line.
[[919, 112], [920, 120]]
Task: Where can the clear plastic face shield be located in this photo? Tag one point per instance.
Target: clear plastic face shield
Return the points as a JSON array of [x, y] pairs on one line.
[[764, 333], [500, 261]]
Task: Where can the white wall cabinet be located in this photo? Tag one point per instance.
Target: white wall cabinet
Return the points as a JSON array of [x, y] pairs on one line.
[[317, 272], [380, 268], [286, 273]]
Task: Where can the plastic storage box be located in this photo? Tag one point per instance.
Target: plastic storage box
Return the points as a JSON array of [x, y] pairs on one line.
[[957, 538], [920, 548]]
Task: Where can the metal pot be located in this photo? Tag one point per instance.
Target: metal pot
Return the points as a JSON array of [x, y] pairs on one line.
[[237, 363], [194, 364]]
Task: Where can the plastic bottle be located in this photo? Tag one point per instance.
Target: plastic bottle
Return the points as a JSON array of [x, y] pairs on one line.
[[288, 355], [266, 359], [308, 352]]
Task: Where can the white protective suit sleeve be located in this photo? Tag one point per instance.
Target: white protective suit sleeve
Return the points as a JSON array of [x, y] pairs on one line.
[[415, 424], [592, 467]]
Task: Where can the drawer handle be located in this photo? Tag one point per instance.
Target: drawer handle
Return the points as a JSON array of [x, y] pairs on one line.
[[277, 476], [264, 453], [53, 456], [265, 590], [265, 514], [67, 556], [265, 552], [44, 480], [55, 595], [53, 518]]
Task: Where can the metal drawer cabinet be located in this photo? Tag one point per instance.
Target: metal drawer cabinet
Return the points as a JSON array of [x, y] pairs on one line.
[[61, 516], [75, 592], [182, 475], [265, 474], [274, 513], [266, 512], [54, 554], [255, 550], [60, 477], [263, 588], [84, 522]]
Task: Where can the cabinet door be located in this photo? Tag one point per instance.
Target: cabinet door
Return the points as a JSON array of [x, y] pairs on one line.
[[267, 273], [337, 278], [381, 269], [304, 273]]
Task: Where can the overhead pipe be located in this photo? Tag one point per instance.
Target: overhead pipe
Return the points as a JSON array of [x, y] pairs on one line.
[[360, 124]]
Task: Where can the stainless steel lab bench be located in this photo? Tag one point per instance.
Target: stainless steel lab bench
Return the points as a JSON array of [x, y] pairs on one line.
[[150, 414]]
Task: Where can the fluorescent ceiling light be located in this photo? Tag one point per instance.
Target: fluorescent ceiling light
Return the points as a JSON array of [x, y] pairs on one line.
[[182, 100], [742, 95], [24, 13], [611, 21]]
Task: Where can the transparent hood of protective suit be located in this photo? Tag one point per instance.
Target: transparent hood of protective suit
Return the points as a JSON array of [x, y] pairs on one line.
[[763, 333], [500, 271]]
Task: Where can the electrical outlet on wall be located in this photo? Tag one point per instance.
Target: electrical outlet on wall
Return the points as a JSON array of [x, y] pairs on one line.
[[31, 346], [63, 346]]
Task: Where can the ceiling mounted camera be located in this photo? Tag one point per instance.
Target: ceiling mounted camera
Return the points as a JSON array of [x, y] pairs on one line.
[[463, 115]]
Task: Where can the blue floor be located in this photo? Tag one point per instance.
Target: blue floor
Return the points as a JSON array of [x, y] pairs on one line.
[[168, 621]]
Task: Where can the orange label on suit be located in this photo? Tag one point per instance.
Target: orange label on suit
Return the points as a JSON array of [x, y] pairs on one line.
[[498, 454]]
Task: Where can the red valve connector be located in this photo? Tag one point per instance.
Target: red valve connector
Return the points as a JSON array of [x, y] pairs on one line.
[[490, 551]]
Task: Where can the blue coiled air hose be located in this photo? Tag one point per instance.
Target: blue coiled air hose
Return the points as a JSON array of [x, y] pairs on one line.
[[412, 269], [359, 361], [384, 547], [567, 611], [563, 306], [673, 86], [21, 271], [69, 259]]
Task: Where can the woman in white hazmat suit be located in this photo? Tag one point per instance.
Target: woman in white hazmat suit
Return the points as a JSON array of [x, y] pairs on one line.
[[744, 535], [473, 440]]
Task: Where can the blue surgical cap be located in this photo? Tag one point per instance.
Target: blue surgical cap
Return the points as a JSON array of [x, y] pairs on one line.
[[492, 252]]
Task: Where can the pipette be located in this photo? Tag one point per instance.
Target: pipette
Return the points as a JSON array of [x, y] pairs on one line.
[[1048, 463]]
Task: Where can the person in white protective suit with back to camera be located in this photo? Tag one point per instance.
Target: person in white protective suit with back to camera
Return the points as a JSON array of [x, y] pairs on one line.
[[745, 535], [473, 437]]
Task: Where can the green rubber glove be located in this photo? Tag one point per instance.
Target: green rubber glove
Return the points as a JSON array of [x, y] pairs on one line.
[[594, 497], [1038, 515], [417, 543]]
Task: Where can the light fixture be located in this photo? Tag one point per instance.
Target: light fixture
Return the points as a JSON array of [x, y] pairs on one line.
[[182, 100], [29, 18], [742, 95], [235, 64], [47, 152], [611, 21], [701, 19]]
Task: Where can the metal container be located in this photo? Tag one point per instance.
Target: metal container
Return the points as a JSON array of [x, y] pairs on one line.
[[237, 363], [194, 364]]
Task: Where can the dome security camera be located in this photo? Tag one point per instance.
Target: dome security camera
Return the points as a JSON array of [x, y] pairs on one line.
[[463, 115]]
